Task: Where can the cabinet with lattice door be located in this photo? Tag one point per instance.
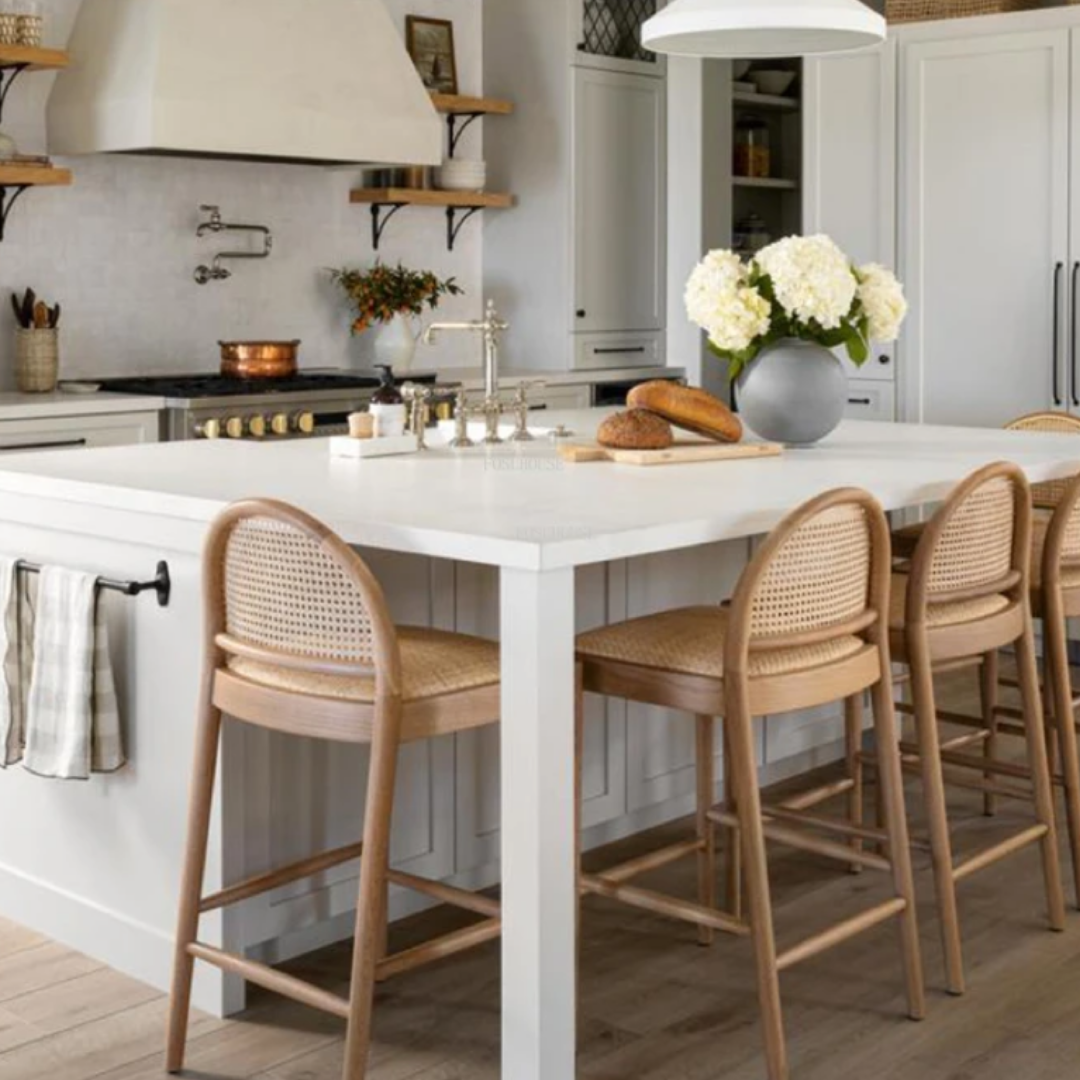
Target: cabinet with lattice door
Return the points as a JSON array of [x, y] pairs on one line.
[[608, 33]]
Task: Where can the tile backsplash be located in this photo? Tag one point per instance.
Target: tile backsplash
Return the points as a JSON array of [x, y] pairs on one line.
[[118, 248]]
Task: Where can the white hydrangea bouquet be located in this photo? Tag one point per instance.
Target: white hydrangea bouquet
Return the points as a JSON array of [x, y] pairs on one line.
[[803, 287]]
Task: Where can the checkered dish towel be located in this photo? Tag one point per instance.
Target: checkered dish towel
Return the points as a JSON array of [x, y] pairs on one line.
[[72, 718], [15, 658]]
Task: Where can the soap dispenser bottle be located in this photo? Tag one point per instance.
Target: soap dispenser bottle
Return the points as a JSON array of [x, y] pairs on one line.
[[388, 406]]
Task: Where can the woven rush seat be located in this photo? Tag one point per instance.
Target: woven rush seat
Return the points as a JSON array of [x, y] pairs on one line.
[[433, 663], [690, 641], [951, 614]]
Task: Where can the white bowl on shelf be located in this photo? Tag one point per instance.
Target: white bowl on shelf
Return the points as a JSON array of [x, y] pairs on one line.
[[776, 83], [739, 68], [462, 175]]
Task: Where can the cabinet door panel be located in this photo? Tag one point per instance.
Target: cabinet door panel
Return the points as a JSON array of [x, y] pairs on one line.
[[850, 166], [985, 138], [620, 167]]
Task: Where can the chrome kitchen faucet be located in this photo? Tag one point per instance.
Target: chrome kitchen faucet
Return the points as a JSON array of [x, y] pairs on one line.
[[492, 407]]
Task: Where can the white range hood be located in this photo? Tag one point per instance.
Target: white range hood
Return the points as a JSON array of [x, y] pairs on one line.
[[317, 81]]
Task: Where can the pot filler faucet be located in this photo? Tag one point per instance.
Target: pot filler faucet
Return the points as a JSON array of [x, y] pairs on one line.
[[492, 407], [216, 272]]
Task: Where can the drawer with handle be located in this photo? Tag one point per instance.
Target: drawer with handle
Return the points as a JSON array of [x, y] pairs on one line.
[[600, 352], [871, 401]]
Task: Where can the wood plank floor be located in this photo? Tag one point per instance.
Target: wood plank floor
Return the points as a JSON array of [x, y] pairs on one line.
[[654, 1005]]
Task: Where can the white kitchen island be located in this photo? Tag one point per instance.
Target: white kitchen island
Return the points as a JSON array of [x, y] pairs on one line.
[[507, 542]]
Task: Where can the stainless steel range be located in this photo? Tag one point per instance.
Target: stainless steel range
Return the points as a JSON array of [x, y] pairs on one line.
[[214, 407]]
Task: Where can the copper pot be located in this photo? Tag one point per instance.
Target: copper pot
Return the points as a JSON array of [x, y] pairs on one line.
[[259, 359]]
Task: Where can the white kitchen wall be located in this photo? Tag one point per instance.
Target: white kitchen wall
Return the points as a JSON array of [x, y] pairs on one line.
[[118, 248]]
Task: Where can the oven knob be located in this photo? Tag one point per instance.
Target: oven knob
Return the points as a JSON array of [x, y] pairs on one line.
[[208, 429], [234, 427], [279, 424], [257, 427], [304, 423]]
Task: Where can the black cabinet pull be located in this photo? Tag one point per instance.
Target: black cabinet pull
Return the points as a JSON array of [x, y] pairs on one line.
[[619, 352], [884, 358], [859, 401], [1056, 345], [67, 444], [581, 313], [1072, 339]]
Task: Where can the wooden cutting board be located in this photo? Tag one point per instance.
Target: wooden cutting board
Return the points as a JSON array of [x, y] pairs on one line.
[[682, 453]]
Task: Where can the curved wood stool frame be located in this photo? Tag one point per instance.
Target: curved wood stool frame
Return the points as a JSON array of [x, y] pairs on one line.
[[361, 643], [742, 693], [926, 647]]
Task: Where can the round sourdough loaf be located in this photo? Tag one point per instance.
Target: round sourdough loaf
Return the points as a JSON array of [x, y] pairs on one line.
[[635, 430]]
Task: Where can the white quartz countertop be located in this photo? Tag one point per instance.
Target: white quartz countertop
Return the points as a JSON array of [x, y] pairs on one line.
[[46, 406], [521, 506]]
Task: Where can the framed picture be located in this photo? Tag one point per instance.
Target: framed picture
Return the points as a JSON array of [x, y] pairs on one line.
[[431, 46]]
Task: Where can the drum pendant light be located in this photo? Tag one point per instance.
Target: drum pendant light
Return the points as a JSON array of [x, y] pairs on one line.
[[752, 29]]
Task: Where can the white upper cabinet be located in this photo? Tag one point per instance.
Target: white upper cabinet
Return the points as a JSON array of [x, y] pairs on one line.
[[984, 224], [620, 197], [849, 167]]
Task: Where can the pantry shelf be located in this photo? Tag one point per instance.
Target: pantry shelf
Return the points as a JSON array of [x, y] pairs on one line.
[[459, 206], [767, 183], [765, 101]]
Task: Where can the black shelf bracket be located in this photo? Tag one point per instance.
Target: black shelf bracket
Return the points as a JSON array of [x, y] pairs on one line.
[[454, 225], [379, 221], [12, 72], [7, 201], [458, 123]]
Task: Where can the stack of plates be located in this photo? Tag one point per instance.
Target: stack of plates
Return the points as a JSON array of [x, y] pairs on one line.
[[458, 174]]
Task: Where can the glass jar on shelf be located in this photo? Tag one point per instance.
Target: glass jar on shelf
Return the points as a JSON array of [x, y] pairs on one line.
[[751, 234], [753, 158]]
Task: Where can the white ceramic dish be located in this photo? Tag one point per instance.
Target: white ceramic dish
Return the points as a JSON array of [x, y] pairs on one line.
[[342, 446], [777, 83]]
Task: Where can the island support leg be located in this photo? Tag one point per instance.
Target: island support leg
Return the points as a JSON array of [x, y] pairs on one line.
[[539, 897]]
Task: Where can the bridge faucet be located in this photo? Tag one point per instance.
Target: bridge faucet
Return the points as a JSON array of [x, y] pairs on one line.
[[491, 326]]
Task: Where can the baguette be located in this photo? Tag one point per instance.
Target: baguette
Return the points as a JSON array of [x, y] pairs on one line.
[[694, 410]]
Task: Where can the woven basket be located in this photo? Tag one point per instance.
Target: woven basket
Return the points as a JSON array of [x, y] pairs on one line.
[[905, 11], [37, 360]]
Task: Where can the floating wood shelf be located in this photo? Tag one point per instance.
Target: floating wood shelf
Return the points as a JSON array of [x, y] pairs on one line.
[[15, 179], [29, 58], [766, 101], [766, 183], [461, 111], [459, 205]]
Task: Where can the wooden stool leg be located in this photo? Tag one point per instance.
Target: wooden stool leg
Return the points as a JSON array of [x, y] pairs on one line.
[[706, 831], [738, 724], [891, 787], [373, 884], [198, 833], [1040, 774], [732, 848], [988, 689], [922, 687], [853, 738], [1055, 642]]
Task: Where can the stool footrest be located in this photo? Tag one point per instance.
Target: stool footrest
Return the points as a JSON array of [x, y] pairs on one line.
[[999, 851], [780, 834], [271, 979], [839, 933], [438, 949], [978, 764], [672, 907], [633, 868], [806, 799], [820, 821], [275, 879], [446, 894]]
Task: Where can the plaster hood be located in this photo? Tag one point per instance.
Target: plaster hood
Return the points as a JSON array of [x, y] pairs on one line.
[[314, 81]]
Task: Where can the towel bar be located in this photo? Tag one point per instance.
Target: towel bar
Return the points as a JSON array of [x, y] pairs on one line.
[[162, 583]]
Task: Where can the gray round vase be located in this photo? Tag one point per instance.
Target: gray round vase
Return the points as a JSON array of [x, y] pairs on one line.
[[794, 392]]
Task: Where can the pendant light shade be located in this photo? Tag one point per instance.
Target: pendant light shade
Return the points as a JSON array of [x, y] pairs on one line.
[[760, 29]]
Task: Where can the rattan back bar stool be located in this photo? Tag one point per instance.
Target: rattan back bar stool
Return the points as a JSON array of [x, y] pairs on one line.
[[808, 625], [964, 596], [298, 640]]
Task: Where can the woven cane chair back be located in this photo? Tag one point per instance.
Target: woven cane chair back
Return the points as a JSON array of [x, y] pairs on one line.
[[1048, 494]]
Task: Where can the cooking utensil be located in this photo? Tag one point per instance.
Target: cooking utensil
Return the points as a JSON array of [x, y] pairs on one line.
[[682, 453], [42, 315], [259, 359]]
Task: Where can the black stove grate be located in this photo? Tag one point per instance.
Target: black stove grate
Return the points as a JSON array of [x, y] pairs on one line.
[[613, 28], [214, 386]]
